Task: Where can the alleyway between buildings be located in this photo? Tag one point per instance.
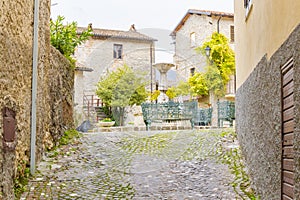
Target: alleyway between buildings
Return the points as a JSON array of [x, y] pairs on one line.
[[175, 165]]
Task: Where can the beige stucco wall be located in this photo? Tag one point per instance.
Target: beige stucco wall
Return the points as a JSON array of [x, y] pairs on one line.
[[267, 26], [203, 26]]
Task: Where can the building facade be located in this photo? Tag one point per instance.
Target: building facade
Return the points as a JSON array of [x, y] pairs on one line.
[[267, 99], [106, 51], [195, 28]]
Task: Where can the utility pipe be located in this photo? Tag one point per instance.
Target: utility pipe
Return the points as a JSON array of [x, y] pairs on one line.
[[218, 24], [34, 85]]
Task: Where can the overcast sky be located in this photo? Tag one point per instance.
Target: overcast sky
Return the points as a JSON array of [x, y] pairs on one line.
[[155, 18], [120, 14]]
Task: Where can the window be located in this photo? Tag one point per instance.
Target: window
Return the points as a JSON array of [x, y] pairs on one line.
[[118, 50], [193, 39], [192, 71], [248, 6], [231, 33], [231, 85]]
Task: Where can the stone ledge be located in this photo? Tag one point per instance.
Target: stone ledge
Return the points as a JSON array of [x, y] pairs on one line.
[[143, 128]]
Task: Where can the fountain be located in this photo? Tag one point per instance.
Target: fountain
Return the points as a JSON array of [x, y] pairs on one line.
[[163, 68]]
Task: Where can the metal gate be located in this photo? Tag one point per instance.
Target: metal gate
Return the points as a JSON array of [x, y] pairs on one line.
[[288, 126]]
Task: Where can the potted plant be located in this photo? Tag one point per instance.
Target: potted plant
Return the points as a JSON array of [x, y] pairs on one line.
[[106, 122]]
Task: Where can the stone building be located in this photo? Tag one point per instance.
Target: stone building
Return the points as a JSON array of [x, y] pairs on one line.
[[105, 51], [195, 28], [54, 102], [268, 98]]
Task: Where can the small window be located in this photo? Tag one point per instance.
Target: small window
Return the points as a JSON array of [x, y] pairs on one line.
[[231, 33], [118, 50], [193, 39], [192, 71]]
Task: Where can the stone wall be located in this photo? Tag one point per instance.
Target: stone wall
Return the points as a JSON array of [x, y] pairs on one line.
[[259, 120], [97, 54], [203, 26], [55, 87]]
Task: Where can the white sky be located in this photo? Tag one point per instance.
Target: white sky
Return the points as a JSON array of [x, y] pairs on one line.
[[120, 14], [155, 18]]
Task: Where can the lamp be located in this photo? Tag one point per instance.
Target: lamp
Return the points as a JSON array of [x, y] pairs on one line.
[[207, 51]]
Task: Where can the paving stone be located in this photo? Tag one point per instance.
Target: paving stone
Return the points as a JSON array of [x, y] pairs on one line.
[[134, 165]]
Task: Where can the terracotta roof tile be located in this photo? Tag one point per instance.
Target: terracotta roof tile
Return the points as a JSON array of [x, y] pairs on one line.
[[106, 33]]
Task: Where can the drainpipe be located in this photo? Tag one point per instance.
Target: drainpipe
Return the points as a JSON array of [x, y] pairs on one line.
[[34, 86], [151, 69], [218, 24]]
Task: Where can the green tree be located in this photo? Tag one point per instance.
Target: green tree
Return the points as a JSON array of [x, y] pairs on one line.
[[221, 63], [183, 88], [121, 88], [198, 84], [154, 95], [171, 93], [65, 38]]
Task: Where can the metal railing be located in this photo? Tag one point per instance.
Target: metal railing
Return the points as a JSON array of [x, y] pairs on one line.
[[226, 112], [90, 103], [169, 111]]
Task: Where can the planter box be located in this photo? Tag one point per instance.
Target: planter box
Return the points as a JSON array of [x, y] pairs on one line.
[[106, 124]]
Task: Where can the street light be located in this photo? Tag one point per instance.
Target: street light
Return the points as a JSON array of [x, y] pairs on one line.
[[207, 51]]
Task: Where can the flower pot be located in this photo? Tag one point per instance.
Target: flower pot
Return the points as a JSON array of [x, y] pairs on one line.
[[106, 124]]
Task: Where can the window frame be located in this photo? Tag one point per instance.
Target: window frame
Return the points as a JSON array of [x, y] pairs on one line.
[[118, 51], [192, 71], [192, 39], [232, 36]]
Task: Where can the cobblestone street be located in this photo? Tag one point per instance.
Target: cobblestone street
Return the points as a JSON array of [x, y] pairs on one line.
[[137, 165]]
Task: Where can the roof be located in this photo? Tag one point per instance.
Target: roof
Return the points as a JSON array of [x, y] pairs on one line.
[[208, 13], [106, 33]]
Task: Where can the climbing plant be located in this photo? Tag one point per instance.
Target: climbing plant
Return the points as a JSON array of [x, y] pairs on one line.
[[65, 38], [183, 88], [198, 84], [221, 63]]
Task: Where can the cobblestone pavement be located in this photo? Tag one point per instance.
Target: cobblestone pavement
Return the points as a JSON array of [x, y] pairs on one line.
[[171, 165]]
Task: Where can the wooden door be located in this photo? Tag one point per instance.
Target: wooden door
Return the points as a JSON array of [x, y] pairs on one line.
[[288, 126]]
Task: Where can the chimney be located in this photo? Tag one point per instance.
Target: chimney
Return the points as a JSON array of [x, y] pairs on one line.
[[132, 28], [90, 26]]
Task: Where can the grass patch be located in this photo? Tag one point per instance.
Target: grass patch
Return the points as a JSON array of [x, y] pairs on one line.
[[69, 136], [232, 157], [21, 182]]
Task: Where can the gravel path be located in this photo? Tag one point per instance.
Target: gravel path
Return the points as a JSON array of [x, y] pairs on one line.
[[177, 165]]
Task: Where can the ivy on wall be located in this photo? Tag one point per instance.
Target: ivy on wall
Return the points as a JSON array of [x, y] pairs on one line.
[[220, 66]]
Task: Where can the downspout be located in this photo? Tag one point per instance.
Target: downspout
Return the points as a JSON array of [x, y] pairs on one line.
[[151, 69], [218, 24], [34, 86]]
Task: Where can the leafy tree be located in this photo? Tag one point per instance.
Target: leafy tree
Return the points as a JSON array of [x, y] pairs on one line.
[[213, 81], [171, 93], [65, 38], [198, 84], [154, 95], [183, 88], [221, 63], [121, 88]]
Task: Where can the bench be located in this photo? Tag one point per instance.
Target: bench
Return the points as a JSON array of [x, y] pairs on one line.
[[169, 112]]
